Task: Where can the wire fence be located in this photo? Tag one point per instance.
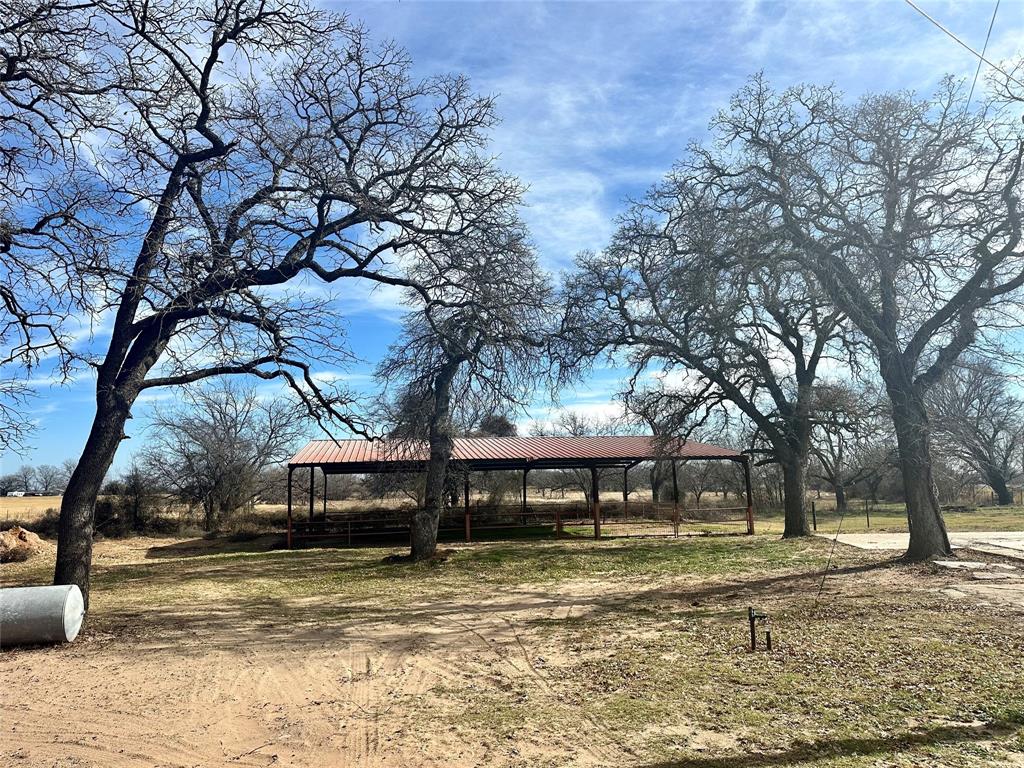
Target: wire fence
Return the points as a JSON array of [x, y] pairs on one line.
[[640, 518]]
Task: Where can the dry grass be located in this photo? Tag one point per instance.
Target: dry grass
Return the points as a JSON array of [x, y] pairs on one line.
[[26, 509], [880, 518], [589, 653], [892, 518]]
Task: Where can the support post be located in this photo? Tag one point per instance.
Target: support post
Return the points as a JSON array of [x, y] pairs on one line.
[[625, 493], [558, 522], [522, 511], [675, 500], [312, 489], [595, 502], [750, 495], [290, 470], [465, 496], [325, 493], [814, 517]]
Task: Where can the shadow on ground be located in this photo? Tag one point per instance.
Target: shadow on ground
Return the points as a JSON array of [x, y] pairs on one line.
[[829, 749], [215, 546], [244, 622]]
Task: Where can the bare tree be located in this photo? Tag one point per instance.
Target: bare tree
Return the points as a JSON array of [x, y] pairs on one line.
[[15, 428], [66, 468], [688, 285], [250, 149], [977, 421], [51, 211], [494, 425], [875, 464], [477, 343], [698, 477], [848, 420], [215, 448], [8, 483], [572, 423], [906, 210], [49, 479], [130, 501], [658, 410], [26, 477]]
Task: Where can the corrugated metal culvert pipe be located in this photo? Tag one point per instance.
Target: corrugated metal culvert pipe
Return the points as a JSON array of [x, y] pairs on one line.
[[36, 615]]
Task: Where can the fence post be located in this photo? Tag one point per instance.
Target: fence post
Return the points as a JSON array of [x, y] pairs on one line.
[[814, 517], [867, 512]]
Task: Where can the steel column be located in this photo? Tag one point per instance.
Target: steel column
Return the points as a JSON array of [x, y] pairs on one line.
[[675, 500], [625, 493], [465, 493], [290, 470], [595, 502], [312, 488], [750, 495], [325, 495], [522, 513]]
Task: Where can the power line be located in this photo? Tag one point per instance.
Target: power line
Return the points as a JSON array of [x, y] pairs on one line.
[[984, 48], [962, 43]]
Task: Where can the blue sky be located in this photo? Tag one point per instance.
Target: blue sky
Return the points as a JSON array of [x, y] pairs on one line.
[[597, 99]]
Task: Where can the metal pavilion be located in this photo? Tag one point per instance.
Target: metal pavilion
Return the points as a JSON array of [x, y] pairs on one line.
[[524, 454]]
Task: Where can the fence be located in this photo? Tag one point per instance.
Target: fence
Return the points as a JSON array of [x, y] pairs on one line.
[[639, 518]]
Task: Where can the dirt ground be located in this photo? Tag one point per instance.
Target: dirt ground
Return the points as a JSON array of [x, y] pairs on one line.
[[570, 654]]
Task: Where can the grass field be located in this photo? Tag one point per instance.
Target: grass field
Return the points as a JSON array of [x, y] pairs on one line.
[[892, 518], [575, 653], [879, 518], [26, 509]]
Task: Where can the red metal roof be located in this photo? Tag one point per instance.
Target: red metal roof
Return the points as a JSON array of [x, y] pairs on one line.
[[357, 455]]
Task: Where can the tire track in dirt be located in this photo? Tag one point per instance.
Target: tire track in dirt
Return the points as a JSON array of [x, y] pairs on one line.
[[501, 632], [343, 693], [95, 725]]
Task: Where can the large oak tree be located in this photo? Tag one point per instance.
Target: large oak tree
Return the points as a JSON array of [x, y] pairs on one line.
[[475, 341], [978, 421], [906, 210], [686, 286], [255, 151]]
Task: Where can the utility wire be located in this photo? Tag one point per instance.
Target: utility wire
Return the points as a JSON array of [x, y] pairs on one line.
[[981, 60], [962, 43], [831, 552]]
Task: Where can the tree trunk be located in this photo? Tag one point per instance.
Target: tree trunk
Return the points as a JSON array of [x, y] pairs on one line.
[[794, 496], [658, 480], [78, 506], [426, 517], [927, 530], [1004, 496], [840, 497]]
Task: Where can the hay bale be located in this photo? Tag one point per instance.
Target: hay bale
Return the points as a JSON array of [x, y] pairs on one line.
[[18, 544]]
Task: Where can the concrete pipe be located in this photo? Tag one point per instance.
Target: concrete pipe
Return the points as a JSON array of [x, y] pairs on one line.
[[31, 615]]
